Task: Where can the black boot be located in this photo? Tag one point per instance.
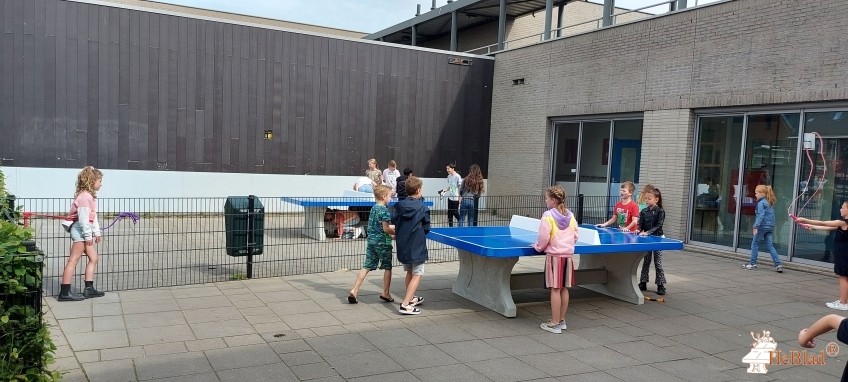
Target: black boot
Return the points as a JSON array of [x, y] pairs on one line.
[[65, 294], [90, 292], [660, 290]]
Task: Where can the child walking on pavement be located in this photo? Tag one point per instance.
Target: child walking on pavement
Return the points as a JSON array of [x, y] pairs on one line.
[[412, 223], [378, 251], [651, 220], [557, 235], [83, 225], [764, 228]]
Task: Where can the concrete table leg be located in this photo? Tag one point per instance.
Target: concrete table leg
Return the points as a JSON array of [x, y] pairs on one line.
[[313, 223], [485, 281], [621, 275]]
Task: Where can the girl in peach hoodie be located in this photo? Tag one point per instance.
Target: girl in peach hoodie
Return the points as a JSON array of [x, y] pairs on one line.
[[557, 235]]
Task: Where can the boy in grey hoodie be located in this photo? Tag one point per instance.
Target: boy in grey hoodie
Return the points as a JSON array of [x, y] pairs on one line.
[[412, 222]]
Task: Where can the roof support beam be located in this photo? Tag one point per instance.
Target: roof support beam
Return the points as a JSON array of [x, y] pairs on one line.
[[549, 11], [414, 40], [559, 18], [501, 24]]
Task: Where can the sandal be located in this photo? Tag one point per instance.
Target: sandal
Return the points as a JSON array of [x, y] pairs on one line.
[[351, 299], [416, 300], [387, 299], [409, 309]]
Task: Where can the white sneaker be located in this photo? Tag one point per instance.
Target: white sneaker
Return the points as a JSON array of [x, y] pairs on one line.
[[837, 305], [749, 266], [546, 326], [562, 325]]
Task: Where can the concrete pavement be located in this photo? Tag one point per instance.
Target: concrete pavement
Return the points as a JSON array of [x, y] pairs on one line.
[[299, 328]]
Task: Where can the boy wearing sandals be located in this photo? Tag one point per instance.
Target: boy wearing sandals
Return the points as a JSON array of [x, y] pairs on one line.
[[379, 247], [412, 223]]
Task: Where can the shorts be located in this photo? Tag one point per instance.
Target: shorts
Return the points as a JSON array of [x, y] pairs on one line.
[[378, 254], [417, 268], [559, 272], [76, 232]]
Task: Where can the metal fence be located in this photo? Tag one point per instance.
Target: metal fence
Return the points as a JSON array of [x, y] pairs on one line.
[[182, 241]]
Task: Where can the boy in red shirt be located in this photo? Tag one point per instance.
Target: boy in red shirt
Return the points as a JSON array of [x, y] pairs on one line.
[[626, 211]]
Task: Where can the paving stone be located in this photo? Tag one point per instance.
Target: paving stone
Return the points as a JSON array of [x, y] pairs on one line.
[[206, 344], [98, 340], [301, 358], [202, 377], [436, 334], [393, 338], [75, 309], [195, 291], [598, 376], [110, 371], [457, 372], [270, 372], [164, 334], [389, 377], [87, 356], [519, 345], [121, 353], [643, 373], [145, 295], [314, 371], [362, 364], [65, 364], [155, 319], [414, 357], [692, 371], [109, 309], [556, 364], [340, 344], [222, 328], [602, 358], [203, 302], [211, 314], [646, 352], [76, 325], [108, 323], [165, 348], [248, 339], [469, 351], [242, 356], [151, 306], [291, 346], [171, 365], [310, 320], [507, 369]]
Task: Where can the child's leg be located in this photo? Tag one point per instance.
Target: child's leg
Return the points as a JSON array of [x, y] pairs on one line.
[[658, 268], [769, 236], [91, 266], [411, 287], [77, 249], [387, 283], [556, 305], [563, 307], [646, 267], [843, 289], [360, 278], [755, 247]]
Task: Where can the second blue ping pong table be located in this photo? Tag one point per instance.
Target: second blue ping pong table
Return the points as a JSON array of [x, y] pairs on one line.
[[607, 261]]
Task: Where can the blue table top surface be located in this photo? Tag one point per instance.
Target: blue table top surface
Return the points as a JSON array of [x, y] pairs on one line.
[[505, 241], [340, 201]]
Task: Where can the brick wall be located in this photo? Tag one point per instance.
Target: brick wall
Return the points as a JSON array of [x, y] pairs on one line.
[[735, 53]]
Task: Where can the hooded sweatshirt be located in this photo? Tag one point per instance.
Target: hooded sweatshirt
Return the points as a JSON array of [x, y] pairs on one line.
[[412, 222], [557, 233]]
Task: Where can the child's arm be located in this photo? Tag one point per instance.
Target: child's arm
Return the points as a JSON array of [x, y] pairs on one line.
[[826, 223], [823, 325], [811, 227], [760, 214], [634, 217], [544, 236], [388, 228], [608, 222], [426, 222]]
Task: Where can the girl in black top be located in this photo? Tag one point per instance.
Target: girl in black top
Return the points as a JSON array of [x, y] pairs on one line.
[[650, 223], [840, 252]]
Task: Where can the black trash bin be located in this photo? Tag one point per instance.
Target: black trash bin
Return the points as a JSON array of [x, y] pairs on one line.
[[245, 228]]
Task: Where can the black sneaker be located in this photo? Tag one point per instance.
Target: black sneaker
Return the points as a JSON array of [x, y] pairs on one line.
[[643, 286], [70, 296], [661, 290], [90, 292]]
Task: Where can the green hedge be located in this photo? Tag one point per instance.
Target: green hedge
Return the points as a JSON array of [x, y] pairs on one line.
[[26, 349]]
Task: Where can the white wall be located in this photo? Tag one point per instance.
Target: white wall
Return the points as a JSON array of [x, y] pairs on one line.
[[28, 182]]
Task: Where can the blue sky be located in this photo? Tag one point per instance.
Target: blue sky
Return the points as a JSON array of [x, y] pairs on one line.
[[359, 15]]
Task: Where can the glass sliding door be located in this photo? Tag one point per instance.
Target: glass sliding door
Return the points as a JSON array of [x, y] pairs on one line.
[[567, 136], [823, 182], [771, 147], [716, 173], [594, 168]]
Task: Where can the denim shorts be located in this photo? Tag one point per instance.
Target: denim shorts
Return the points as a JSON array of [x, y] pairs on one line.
[[76, 232]]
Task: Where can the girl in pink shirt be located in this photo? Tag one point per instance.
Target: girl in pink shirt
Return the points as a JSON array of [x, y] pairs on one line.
[[85, 233], [557, 235]]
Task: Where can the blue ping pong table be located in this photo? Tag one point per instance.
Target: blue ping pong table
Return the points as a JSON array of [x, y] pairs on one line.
[[314, 208], [607, 261]]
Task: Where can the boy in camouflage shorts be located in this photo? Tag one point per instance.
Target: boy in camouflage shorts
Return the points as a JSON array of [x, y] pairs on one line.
[[378, 251]]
